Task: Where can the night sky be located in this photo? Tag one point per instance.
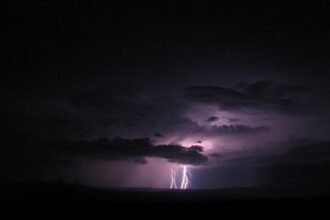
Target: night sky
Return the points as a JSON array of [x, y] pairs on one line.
[[119, 95]]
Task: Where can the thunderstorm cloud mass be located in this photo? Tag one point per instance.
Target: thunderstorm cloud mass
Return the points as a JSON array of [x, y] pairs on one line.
[[143, 99]]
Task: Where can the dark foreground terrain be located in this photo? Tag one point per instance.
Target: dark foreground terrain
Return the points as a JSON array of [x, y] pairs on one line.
[[54, 201]]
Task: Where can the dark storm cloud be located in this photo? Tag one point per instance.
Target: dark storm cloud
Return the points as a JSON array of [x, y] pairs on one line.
[[132, 107], [212, 119], [238, 129], [143, 110], [188, 126], [300, 151], [124, 106], [103, 111], [158, 135], [306, 151], [131, 149], [264, 96], [125, 100], [303, 165], [109, 111]]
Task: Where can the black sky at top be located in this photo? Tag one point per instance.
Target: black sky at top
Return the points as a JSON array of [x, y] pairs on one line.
[[53, 48], [55, 41]]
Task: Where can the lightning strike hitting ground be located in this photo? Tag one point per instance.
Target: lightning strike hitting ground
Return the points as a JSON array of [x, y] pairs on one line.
[[173, 179], [185, 179], [185, 182]]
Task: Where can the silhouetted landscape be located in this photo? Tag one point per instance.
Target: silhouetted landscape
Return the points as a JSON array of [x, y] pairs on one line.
[[40, 199]]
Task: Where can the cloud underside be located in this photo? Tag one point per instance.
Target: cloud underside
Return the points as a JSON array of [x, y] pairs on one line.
[[262, 96], [305, 152], [135, 150]]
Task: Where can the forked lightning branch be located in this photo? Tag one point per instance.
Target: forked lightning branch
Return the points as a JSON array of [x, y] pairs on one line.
[[185, 181]]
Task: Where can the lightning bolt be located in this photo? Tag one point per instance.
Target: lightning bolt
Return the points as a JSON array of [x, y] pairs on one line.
[[173, 179], [185, 181]]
